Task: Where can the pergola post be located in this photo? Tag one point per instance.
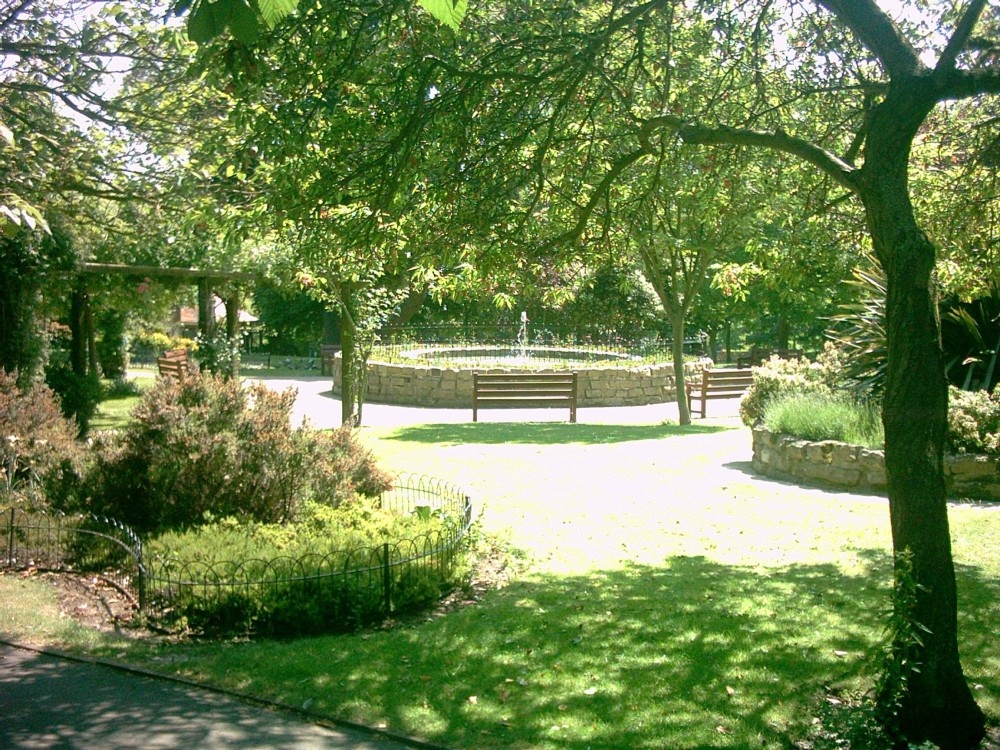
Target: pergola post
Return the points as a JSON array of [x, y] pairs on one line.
[[206, 310]]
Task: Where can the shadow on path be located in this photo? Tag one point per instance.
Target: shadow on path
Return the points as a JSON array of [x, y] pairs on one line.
[[544, 433], [47, 701]]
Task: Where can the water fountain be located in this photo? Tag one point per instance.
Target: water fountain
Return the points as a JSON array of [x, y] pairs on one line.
[[521, 343], [440, 375]]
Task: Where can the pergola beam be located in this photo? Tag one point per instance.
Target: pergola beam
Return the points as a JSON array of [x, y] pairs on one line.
[[161, 272]]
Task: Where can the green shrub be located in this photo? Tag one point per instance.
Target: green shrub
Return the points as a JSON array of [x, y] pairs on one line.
[[205, 447], [41, 458], [825, 416], [973, 422], [290, 573], [78, 394]]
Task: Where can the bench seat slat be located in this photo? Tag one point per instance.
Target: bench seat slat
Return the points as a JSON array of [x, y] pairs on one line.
[[511, 390]]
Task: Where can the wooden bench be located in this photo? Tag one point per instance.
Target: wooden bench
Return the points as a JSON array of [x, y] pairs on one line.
[[174, 364], [716, 384], [523, 390]]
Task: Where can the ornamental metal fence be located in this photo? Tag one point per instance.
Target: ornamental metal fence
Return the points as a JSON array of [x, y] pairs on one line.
[[395, 343], [88, 544], [286, 595]]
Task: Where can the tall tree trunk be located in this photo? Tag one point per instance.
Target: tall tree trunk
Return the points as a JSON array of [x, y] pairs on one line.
[[677, 350], [348, 370], [206, 310], [93, 362], [233, 304], [935, 702]]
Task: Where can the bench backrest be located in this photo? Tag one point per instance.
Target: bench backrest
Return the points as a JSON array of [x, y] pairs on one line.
[[726, 379], [173, 364], [513, 390]]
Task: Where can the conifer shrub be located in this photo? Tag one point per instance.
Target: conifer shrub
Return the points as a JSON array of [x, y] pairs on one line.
[[322, 573]]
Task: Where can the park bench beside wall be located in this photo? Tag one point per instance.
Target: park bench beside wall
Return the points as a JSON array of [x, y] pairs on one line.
[[716, 384], [523, 390]]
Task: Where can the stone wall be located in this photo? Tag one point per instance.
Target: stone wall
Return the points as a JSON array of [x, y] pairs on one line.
[[851, 467], [431, 386]]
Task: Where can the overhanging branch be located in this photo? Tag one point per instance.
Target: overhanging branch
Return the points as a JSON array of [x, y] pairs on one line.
[[842, 172], [879, 33], [960, 38]]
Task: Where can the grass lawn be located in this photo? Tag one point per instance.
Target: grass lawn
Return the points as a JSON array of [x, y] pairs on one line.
[[673, 600]]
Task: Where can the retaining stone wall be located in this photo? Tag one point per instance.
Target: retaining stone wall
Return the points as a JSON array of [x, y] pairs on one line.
[[851, 467], [430, 386]]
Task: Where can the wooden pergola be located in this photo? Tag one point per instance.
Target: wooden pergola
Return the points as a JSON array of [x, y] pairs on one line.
[[83, 352]]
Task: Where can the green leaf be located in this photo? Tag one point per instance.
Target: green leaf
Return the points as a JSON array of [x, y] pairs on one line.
[[243, 23], [203, 25], [273, 11], [448, 12]]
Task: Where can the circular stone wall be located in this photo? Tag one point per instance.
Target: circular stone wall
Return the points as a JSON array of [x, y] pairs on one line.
[[450, 386], [850, 467]]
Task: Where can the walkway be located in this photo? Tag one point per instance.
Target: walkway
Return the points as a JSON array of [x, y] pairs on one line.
[[52, 702], [317, 402]]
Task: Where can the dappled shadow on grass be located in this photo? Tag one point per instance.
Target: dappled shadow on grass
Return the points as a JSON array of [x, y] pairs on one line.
[[544, 433], [693, 653], [690, 654]]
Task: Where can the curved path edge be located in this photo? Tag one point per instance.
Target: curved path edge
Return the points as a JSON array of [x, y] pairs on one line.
[[51, 696]]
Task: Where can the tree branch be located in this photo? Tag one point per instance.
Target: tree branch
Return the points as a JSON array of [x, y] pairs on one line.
[[879, 33], [960, 39], [962, 84], [842, 172], [602, 189]]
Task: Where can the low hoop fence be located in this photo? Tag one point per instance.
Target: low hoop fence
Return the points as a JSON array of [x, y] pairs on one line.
[[394, 343], [338, 590], [311, 593], [90, 544]]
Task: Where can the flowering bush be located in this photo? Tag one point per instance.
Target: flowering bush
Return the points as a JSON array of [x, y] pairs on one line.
[[38, 448], [784, 377], [973, 422]]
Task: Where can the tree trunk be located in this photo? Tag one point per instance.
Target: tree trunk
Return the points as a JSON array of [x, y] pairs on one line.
[[677, 350], [78, 329], [935, 701], [206, 310], [348, 374], [233, 304]]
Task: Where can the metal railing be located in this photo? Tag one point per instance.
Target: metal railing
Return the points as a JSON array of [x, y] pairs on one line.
[[72, 543], [397, 344], [315, 591]]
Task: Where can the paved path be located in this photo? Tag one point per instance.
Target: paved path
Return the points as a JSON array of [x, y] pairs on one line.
[[317, 403], [52, 702]]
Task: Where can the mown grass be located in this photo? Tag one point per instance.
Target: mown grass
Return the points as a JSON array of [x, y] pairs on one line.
[[673, 600]]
